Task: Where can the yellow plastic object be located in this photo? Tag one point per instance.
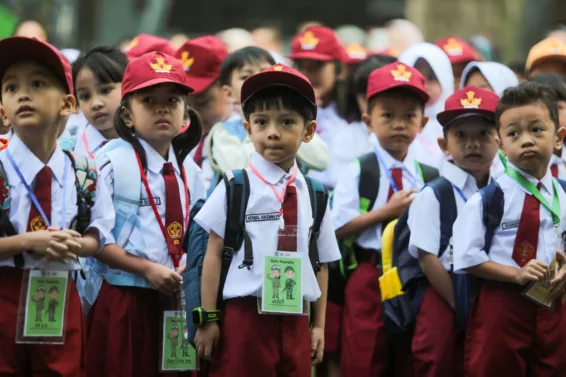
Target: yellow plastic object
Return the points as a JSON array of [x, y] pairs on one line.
[[390, 285], [387, 247]]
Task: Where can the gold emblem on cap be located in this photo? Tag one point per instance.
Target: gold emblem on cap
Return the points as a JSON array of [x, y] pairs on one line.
[[278, 67], [470, 102], [401, 73], [37, 223], [308, 41], [175, 230], [356, 51], [161, 66], [187, 60], [133, 43], [453, 47]]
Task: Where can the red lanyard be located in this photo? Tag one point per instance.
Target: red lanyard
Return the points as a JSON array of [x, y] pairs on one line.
[[170, 245], [85, 143], [280, 197]]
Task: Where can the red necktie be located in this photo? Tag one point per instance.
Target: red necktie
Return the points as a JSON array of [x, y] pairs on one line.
[[198, 153], [173, 213], [397, 174], [288, 236], [554, 170], [42, 192], [526, 240]]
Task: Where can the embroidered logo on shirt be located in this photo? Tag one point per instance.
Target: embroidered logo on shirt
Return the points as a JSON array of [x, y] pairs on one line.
[[401, 73], [308, 41], [187, 61], [175, 229], [510, 225], [453, 48], [144, 202], [161, 66], [470, 102], [37, 223], [263, 217]]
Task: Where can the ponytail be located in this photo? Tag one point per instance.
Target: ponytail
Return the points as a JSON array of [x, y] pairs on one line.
[[184, 142], [128, 133]]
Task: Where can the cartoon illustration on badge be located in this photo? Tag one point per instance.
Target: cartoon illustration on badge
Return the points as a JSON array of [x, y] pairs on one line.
[[53, 303], [275, 277], [173, 337], [39, 299], [184, 344], [289, 282]]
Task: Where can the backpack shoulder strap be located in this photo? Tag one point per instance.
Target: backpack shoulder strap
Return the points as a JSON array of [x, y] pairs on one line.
[[444, 193], [6, 227], [318, 195], [237, 196], [85, 182], [369, 180], [562, 184], [427, 172], [493, 203]]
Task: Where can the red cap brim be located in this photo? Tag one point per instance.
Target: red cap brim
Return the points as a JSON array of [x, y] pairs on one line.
[[310, 55], [157, 81], [16, 49], [445, 117]]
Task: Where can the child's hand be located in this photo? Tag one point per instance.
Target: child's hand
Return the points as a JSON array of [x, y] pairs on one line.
[[533, 271], [162, 278], [399, 201], [559, 282], [206, 339], [181, 268], [41, 243], [317, 345], [66, 241]]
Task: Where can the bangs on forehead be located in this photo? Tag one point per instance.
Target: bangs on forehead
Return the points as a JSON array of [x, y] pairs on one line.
[[105, 70], [37, 68], [171, 87], [279, 98]]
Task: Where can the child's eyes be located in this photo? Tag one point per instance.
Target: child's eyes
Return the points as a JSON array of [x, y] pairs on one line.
[[84, 97], [174, 100], [410, 115], [37, 84], [261, 122], [244, 77], [459, 134], [106, 90], [537, 129], [387, 115], [287, 122], [147, 100], [9, 88], [512, 134]]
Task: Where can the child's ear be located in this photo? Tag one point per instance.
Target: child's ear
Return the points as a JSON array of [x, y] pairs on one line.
[[126, 116], [69, 105], [443, 144], [247, 127], [423, 123], [186, 115], [229, 94], [559, 138], [5, 121], [367, 120], [310, 130]]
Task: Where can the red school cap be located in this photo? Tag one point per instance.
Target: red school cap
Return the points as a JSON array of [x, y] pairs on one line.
[[280, 75], [470, 100], [202, 59], [16, 49], [356, 53], [458, 50], [317, 43], [144, 43], [152, 69], [396, 75]]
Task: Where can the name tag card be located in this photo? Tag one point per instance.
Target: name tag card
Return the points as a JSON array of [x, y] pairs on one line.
[[43, 307], [539, 291], [176, 352]]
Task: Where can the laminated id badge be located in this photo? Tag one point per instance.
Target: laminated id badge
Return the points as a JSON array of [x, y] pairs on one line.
[[43, 307], [177, 354]]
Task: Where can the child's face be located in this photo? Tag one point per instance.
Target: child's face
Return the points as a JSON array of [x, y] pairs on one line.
[[472, 143], [157, 113], [477, 79], [395, 120], [33, 98], [457, 70], [433, 87], [529, 137], [211, 105], [239, 75], [97, 101], [322, 76], [277, 134]]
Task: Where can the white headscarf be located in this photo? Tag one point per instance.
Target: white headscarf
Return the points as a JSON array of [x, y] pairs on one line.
[[499, 76]]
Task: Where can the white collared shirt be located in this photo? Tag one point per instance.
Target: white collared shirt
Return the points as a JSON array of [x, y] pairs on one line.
[[346, 202], [101, 218], [264, 234], [424, 213], [560, 161], [147, 239], [88, 142], [469, 230]]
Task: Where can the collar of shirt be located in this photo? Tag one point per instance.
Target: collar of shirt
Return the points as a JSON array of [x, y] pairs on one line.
[[273, 173], [458, 177], [30, 165], [93, 137], [546, 181], [408, 165], [155, 161]]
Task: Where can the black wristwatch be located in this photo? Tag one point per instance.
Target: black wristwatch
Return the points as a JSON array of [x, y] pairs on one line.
[[201, 316]]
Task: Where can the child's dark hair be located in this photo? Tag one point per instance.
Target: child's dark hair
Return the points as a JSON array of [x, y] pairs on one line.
[[279, 97], [528, 93], [399, 92], [239, 58], [54, 289], [555, 81], [106, 63], [183, 143]]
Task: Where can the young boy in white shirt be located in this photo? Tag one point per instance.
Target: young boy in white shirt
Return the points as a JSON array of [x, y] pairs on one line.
[[280, 111], [470, 141], [508, 333]]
